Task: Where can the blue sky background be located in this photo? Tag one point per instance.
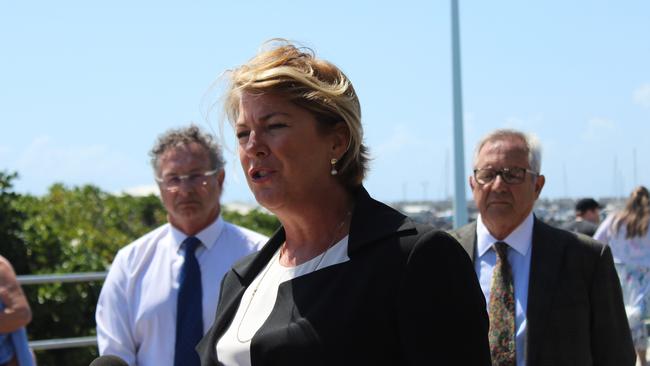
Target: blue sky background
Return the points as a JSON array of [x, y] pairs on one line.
[[85, 87]]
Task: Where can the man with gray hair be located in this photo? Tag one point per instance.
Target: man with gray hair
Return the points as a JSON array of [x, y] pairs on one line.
[[161, 292], [553, 297]]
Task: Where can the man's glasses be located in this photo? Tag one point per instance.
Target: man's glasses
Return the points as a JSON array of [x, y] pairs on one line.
[[509, 175], [173, 183]]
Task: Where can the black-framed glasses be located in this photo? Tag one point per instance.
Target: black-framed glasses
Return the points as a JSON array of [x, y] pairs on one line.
[[172, 183], [509, 175]]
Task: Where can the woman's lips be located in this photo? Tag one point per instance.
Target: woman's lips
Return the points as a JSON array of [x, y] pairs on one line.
[[259, 175]]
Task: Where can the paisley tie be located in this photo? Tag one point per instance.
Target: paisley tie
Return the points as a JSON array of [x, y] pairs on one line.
[[501, 310]]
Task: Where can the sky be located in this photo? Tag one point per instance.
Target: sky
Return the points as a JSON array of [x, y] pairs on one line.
[[86, 87]]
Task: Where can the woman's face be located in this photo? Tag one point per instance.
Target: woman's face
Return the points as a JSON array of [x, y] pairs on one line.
[[285, 158]]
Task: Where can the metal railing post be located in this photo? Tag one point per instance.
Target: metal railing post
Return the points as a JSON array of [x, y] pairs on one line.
[[47, 344]]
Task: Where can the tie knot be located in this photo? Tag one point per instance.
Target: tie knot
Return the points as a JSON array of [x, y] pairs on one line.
[[501, 249], [191, 243]]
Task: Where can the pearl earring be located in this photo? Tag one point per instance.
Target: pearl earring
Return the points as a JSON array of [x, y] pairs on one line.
[[334, 171]]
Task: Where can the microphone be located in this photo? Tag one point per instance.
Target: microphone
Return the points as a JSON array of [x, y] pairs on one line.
[[108, 360]]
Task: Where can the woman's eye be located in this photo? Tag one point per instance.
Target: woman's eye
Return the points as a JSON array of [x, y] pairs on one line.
[[275, 126], [242, 134]]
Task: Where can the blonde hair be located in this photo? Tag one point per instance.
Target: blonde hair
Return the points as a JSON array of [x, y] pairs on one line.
[[310, 83], [635, 215]]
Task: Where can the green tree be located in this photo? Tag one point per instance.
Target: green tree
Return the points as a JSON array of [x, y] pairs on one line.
[[78, 229], [255, 220], [11, 219]]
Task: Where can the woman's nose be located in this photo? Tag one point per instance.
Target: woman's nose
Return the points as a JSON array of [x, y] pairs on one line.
[[256, 146]]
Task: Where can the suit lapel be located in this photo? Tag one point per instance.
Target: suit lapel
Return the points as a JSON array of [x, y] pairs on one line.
[[546, 261], [466, 236], [545, 266], [245, 272], [363, 231]]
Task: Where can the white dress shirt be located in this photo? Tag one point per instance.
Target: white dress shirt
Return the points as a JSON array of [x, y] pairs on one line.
[[519, 254], [136, 310]]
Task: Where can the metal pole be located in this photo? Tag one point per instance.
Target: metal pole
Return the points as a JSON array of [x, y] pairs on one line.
[[460, 202], [634, 168], [62, 278]]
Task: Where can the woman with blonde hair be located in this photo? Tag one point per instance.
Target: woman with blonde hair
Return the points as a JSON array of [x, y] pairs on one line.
[[346, 280], [627, 234]]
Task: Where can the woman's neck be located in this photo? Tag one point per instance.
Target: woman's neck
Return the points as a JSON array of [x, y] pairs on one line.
[[314, 228]]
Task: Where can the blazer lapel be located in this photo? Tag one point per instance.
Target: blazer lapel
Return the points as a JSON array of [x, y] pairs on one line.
[[546, 260], [545, 265], [245, 271], [466, 236], [385, 221]]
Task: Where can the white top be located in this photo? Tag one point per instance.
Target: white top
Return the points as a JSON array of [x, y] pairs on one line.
[[633, 251], [234, 346], [136, 310], [519, 253]]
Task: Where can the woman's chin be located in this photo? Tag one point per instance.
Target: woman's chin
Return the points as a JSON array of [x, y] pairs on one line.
[[268, 200]]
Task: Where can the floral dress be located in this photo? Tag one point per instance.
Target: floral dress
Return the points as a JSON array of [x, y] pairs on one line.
[[632, 260]]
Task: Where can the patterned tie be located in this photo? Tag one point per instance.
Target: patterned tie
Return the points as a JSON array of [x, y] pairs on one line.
[[502, 310], [189, 311]]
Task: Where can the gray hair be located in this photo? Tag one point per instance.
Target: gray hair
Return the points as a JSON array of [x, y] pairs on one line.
[[531, 141], [185, 136]]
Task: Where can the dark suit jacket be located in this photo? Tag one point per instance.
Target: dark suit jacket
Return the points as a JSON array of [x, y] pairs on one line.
[[407, 296], [575, 312]]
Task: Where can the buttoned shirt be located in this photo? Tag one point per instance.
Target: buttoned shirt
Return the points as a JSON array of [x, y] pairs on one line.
[[519, 254], [136, 311]]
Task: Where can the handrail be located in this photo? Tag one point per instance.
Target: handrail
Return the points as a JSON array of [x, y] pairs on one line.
[[47, 344], [61, 278], [58, 343], [76, 342]]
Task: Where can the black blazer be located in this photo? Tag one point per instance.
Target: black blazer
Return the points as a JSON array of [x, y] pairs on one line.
[[407, 296], [575, 312]]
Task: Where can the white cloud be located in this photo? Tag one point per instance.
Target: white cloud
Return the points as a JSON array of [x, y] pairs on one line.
[[602, 123], [5, 152], [399, 140], [243, 207], [469, 118], [528, 124], [45, 161], [142, 190], [642, 95], [599, 129], [514, 122], [46, 156]]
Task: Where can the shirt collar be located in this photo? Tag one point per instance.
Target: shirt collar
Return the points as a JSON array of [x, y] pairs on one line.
[[208, 236], [519, 239]]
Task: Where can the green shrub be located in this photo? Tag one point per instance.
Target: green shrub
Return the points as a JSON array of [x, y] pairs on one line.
[[78, 229]]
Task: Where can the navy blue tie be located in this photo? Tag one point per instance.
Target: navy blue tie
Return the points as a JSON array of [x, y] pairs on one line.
[[189, 310]]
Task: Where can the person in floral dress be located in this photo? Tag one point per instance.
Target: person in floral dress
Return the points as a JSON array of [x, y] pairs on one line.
[[627, 234]]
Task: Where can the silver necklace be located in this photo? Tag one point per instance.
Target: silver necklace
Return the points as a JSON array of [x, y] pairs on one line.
[[268, 267]]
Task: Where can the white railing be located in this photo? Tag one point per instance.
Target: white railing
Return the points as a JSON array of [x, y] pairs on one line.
[[47, 344], [59, 343]]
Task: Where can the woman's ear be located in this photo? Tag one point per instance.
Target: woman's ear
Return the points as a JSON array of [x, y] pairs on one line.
[[340, 140]]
